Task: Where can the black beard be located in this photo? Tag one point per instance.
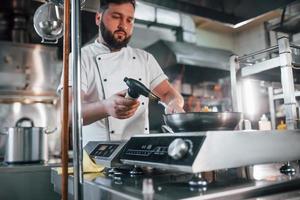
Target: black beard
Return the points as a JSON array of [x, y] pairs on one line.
[[109, 39]]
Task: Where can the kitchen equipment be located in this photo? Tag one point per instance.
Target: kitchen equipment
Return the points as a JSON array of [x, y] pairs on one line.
[[200, 151], [3, 140], [105, 153], [191, 121], [202, 121], [26, 143], [136, 88], [61, 2], [48, 22]]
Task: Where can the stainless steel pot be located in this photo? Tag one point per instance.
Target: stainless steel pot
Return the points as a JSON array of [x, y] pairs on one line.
[[26, 144], [3, 141]]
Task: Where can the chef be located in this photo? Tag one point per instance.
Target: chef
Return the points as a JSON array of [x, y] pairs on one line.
[[107, 114]]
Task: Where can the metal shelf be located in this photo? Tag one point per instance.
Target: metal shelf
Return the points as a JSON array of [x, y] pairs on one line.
[[280, 96], [266, 68], [284, 63], [28, 97]]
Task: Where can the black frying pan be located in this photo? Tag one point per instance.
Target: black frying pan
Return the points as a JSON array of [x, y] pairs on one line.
[[202, 121], [187, 122]]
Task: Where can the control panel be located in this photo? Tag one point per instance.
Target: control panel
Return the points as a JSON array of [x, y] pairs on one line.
[[104, 150], [176, 150], [105, 153]]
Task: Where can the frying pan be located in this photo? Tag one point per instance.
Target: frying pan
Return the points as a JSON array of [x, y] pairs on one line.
[[202, 121], [191, 121]]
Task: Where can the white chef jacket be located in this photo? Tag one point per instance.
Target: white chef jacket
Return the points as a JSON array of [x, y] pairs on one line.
[[102, 74]]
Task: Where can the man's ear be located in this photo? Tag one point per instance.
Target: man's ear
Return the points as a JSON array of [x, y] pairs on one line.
[[98, 18]]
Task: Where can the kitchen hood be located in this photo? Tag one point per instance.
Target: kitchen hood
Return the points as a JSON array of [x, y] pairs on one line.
[[199, 61], [170, 53]]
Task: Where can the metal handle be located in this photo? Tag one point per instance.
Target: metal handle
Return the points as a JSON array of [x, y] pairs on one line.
[[24, 119], [48, 131], [47, 41], [167, 129], [137, 88]]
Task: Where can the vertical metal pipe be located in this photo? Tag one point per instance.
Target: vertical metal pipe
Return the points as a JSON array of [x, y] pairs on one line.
[[65, 114], [287, 81], [235, 85], [272, 107], [76, 106]]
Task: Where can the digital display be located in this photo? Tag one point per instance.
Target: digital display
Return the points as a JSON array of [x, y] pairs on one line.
[[104, 150], [102, 147]]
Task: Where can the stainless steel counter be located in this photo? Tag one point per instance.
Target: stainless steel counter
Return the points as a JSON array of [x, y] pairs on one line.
[[26, 181], [240, 183]]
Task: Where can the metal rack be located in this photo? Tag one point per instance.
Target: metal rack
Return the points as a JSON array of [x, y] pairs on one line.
[[272, 98], [284, 59]]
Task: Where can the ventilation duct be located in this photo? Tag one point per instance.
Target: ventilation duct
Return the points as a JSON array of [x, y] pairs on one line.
[[154, 16], [203, 62], [289, 21]]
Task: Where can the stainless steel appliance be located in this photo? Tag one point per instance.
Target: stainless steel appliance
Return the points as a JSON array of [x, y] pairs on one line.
[[3, 140], [205, 151], [105, 153], [172, 161], [35, 71]]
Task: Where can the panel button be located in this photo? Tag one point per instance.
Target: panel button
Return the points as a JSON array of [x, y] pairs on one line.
[[178, 148]]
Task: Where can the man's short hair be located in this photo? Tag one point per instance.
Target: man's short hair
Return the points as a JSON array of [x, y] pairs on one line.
[[104, 3]]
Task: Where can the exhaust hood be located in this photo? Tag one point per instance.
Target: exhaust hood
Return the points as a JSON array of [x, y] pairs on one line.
[[201, 63], [170, 53]]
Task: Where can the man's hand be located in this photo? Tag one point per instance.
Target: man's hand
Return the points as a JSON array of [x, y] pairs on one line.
[[174, 107], [120, 107], [169, 96]]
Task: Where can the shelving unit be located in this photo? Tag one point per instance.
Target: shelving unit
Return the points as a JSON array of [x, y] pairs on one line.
[[285, 61], [272, 98]]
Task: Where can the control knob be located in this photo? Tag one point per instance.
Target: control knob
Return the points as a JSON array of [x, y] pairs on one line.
[[178, 148]]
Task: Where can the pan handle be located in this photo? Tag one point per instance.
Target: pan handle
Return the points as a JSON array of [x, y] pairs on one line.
[[167, 129]]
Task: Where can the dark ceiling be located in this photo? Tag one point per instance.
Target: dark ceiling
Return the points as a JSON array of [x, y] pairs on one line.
[[226, 11]]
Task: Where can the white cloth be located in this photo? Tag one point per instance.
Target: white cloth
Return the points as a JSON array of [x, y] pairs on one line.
[[102, 74]]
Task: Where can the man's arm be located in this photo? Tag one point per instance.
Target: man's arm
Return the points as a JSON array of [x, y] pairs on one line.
[[169, 96], [116, 106]]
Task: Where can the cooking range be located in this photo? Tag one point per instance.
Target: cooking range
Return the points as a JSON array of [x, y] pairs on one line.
[[200, 151], [211, 164]]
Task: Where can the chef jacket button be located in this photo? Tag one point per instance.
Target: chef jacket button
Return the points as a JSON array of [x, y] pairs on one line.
[[133, 57], [105, 80], [140, 79], [143, 103], [146, 129], [112, 132], [99, 58]]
